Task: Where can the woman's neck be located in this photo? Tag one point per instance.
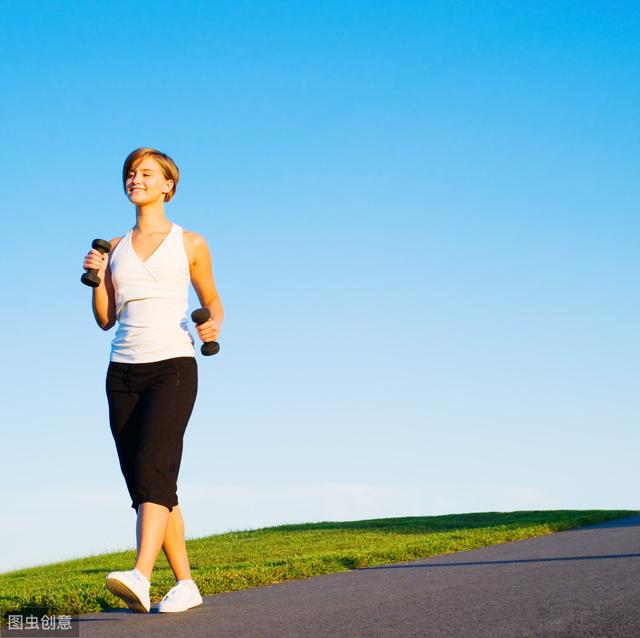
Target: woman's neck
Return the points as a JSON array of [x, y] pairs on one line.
[[151, 219]]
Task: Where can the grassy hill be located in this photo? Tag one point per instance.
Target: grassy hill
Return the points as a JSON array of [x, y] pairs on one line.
[[242, 559]]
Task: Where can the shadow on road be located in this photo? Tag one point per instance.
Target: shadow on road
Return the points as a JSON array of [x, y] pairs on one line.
[[502, 562], [631, 521]]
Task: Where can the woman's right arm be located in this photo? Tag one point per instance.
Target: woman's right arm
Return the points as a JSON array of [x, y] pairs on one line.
[[103, 302]]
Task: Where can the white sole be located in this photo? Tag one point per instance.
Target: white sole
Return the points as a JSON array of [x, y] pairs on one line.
[[177, 611], [119, 589]]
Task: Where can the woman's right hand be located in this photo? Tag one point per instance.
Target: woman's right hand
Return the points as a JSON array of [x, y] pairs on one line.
[[95, 260]]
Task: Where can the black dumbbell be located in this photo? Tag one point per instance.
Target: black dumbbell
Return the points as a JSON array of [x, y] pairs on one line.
[[201, 315], [90, 278]]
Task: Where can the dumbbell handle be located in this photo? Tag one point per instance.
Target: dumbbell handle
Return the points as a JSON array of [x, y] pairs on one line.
[[199, 316], [90, 278]]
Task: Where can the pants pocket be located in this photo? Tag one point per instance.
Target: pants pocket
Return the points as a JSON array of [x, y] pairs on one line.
[[186, 371], [116, 379]]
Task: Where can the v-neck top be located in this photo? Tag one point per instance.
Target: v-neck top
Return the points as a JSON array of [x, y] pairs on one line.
[[152, 298]]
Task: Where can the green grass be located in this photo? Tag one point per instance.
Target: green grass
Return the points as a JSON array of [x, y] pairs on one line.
[[242, 559]]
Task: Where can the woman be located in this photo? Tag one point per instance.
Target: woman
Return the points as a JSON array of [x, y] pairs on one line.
[[152, 378]]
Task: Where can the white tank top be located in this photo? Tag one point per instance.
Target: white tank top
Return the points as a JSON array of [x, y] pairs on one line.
[[152, 298]]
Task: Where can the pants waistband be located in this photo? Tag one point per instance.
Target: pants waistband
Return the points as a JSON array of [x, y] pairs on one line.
[[148, 364]]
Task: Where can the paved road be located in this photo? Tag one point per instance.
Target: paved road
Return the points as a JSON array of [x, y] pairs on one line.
[[582, 583]]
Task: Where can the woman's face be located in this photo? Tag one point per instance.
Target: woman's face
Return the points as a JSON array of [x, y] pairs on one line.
[[145, 182]]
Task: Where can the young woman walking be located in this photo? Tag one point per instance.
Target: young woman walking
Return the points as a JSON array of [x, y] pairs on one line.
[[152, 377]]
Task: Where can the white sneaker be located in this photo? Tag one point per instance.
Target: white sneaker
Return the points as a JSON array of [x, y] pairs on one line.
[[133, 587], [182, 596]]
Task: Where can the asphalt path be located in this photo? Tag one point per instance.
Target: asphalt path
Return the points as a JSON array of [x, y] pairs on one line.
[[581, 583]]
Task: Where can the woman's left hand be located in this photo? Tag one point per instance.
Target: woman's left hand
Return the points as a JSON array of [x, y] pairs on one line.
[[208, 330]]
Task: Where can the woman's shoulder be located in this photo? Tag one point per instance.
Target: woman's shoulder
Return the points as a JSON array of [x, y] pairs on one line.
[[192, 235], [114, 242], [194, 240], [195, 244]]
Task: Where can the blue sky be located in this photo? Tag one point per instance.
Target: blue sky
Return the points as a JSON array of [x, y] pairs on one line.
[[424, 230]]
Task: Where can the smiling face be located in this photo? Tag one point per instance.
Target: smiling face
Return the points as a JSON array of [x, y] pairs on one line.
[[145, 182]]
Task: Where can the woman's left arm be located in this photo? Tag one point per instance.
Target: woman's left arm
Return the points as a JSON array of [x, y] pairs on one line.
[[202, 279]]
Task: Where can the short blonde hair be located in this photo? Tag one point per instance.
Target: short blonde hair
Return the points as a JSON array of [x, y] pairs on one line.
[[168, 166]]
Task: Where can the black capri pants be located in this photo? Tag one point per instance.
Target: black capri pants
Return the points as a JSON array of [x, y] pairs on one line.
[[149, 408]]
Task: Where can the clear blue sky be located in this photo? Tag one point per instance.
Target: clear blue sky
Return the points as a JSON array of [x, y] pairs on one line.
[[423, 218]]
